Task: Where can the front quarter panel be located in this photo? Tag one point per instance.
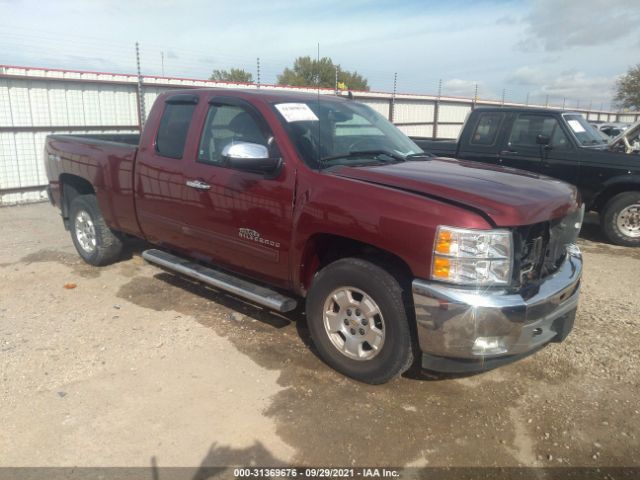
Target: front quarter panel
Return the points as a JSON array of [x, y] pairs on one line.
[[398, 222]]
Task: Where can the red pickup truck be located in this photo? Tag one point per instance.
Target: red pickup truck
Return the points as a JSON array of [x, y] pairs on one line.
[[280, 197]]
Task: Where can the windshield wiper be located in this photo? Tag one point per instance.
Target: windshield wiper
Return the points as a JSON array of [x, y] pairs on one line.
[[364, 153]]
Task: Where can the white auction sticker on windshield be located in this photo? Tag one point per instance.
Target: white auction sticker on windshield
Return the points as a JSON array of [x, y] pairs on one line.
[[575, 126], [296, 112]]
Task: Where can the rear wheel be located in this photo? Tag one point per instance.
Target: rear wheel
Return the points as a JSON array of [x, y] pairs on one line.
[[621, 219], [93, 239], [358, 321]]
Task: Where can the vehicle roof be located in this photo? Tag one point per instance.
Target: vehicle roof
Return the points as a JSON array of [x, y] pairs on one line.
[[526, 110], [268, 95]]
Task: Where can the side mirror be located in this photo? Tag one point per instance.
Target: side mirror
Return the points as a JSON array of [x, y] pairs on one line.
[[251, 157], [543, 140]]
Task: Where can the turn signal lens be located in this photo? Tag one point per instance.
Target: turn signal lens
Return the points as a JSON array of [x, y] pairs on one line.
[[441, 268], [443, 242]]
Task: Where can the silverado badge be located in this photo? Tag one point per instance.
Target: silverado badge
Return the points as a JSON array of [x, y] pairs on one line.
[[249, 234]]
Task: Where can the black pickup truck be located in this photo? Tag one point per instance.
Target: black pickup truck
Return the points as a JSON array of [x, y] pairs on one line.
[[558, 144]]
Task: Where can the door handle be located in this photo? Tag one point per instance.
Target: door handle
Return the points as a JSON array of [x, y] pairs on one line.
[[198, 184], [508, 152]]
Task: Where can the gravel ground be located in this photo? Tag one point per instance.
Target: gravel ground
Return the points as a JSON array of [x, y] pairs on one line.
[[134, 367]]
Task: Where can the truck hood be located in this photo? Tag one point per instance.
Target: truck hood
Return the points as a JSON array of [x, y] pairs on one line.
[[619, 141], [505, 196]]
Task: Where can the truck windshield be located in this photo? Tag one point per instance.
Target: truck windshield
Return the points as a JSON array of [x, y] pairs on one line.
[[584, 132], [328, 133]]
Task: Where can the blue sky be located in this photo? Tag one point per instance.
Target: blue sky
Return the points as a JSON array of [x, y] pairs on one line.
[[564, 49]]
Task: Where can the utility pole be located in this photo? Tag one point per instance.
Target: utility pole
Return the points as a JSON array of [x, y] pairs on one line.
[[436, 111], [337, 90], [527, 102], [141, 113], [475, 97], [504, 93], [564, 101], [546, 101], [162, 62], [393, 97], [258, 72]]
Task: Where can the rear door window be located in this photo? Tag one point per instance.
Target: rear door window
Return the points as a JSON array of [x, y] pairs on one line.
[[172, 132]]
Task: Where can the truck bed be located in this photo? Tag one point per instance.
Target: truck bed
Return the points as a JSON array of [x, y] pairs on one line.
[[106, 162]]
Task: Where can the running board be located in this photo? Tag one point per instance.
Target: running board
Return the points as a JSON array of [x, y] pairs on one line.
[[223, 281]]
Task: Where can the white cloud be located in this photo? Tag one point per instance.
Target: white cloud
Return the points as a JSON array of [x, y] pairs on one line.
[[457, 87], [527, 76], [556, 25], [572, 85], [579, 85]]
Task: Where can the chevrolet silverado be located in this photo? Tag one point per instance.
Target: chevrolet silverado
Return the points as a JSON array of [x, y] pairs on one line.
[[282, 198]]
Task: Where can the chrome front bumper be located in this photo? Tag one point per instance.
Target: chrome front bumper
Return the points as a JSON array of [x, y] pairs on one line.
[[466, 330]]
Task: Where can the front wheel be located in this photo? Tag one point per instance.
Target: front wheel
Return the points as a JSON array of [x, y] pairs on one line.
[[358, 321], [621, 219], [93, 239]]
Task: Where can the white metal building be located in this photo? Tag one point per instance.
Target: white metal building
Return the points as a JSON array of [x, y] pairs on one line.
[[35, 102]]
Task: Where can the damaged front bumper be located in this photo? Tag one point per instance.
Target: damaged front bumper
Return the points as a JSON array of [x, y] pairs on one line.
[[463, 330]]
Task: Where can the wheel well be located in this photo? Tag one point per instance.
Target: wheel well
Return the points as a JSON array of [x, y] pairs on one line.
[[323, 249], [72, 186], [611, 191]]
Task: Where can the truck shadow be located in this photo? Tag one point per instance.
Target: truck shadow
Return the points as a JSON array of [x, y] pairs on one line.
[[315, 402], [132, 247], [276, 320], [236, 304], [241, 309], [219, 462], [591, 229]]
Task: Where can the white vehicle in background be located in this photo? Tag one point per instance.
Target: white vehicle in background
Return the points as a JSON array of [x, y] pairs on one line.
[[612, 130], [627, 141]]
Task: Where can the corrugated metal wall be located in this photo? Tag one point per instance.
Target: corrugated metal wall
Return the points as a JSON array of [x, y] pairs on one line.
[[37, 102], [31, 109]]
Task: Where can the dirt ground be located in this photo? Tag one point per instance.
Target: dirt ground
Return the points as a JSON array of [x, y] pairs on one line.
[[135, 366]]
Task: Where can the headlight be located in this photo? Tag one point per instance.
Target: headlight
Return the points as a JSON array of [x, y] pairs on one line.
[[472, 257]]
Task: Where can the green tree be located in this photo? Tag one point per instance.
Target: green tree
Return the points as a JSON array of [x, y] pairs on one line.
[[306, 72], [628, 89], [237, 75]]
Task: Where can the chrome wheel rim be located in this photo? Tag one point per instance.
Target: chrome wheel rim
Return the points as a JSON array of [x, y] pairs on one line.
[[85, 231], [354, 323], [628, 221]]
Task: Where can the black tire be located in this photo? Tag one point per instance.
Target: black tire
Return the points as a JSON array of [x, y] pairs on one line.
[[396, 353], [107, 245], [609, 219]]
